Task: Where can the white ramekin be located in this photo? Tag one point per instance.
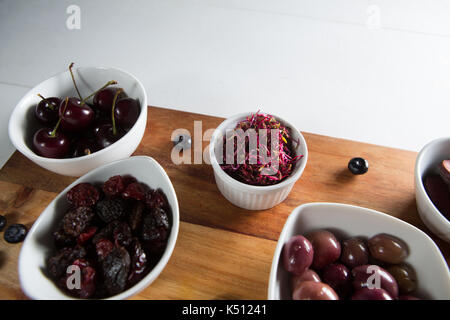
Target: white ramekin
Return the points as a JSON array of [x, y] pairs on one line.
[[427, 162], [255, 197]]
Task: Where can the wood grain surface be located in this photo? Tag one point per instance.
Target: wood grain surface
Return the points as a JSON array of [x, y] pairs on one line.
[[223, 252]]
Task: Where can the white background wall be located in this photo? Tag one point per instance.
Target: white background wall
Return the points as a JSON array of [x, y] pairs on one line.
[[324, 64]]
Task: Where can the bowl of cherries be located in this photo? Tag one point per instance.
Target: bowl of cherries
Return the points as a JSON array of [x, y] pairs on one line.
[[80, 119], [330, 251]]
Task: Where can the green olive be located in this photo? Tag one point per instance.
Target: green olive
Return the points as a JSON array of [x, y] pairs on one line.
[[387, 248], [405, 276]]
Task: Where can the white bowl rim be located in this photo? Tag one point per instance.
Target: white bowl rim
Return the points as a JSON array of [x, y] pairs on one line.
[[23, 148], [247, 187], [157, 269], [419, 179], [296, 211]]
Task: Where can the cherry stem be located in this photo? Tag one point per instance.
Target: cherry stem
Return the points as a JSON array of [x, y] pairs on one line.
[[119, 91], [53, 133], [92, 94], [73, 80], [50, 105]]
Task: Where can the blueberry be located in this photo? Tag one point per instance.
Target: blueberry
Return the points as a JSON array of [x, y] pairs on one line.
[[358, 166], [2, 222], [182, 141], [15, 233]]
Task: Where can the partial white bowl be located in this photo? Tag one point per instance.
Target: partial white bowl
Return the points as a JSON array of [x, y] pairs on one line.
[[22, 124], [349, 221], [254, 197], [427, 161], [38, 244]]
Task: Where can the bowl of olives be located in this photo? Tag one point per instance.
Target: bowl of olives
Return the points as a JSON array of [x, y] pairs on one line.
[[330, 251], [80, 119]]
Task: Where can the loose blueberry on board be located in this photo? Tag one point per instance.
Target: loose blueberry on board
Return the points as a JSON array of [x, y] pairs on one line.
[[15, 233], [182, 141], [358, 166], [2, 222]]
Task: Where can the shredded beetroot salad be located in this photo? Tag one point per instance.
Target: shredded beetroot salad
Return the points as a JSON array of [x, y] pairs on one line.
[[254, 169]]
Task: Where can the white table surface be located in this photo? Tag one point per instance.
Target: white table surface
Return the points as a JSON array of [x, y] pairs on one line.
[[372, 71]]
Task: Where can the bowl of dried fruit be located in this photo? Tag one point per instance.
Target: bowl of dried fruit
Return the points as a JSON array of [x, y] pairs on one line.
[[80, 119], [432, 186], [106, 236], [257, 158]]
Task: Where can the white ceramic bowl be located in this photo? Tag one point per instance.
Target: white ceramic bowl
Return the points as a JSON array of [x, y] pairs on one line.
[[349, 221], [39, 242], [22, 124], [427, 161], [254, 197]]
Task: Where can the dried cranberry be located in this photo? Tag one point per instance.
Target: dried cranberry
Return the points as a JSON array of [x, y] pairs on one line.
[[106, 232], [161, 218], [115, 268], [103, 247], [110, 209], [156, 199], [114, 186], [122, 235], [135, 217], [57, 265], [76, 220], [138, 262], [128, 180], [86, 235], [83, 195], [62, 239], [136, 191], [152, 230]]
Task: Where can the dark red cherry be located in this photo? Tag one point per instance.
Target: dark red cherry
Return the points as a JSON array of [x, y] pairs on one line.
[[99, 122], [46, 110], [106, 137], [127, 112], [51, 144], [103, 100], [76, 117], [84, 147]]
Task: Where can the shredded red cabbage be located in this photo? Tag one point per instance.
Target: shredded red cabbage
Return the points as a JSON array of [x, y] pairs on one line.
[[250, 170]]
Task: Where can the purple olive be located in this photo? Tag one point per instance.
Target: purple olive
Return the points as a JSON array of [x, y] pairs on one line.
[[312, 290], [338, 277], [327, 248], [354, 252], [308, 275], [408, 297], [373, 276], [371, 294], [387, 248], [297, 255]]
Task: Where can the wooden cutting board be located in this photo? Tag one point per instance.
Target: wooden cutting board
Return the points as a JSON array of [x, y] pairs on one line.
[[222, 252]]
